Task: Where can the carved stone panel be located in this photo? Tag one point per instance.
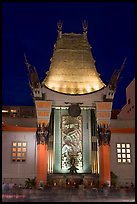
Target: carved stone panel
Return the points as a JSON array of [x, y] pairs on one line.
[[71, 133]]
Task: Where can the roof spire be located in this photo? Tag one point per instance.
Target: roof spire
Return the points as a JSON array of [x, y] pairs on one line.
[[85, 28], [59, 24], [34, 81], [26, 62], [115, 76]]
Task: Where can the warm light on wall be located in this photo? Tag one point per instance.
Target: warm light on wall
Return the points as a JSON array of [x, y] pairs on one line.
[[4, 111], [13, 111], [50, 161]]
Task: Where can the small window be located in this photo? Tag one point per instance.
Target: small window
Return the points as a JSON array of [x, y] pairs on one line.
[[119, 160], [14, 154], [123, 145], [19, 154], [128, 155], [127, 145], [123, 156], [123, 153], [23, 149], [14, 144], [19, 151], [118, 150], [128, 150], [14, 149], [119, 155], [23, 154], [124, 160], [24, 144], [129, 160], [123, 150]]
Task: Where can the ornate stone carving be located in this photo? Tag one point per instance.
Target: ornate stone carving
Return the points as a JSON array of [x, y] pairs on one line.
[[104, 134], [42, 134], [71, 141], [73, 169]]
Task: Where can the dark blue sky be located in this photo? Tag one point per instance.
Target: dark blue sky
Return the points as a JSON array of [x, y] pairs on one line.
[[31, 28]]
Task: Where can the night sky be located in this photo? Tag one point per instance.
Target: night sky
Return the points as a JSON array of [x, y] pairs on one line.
[[31, 28]]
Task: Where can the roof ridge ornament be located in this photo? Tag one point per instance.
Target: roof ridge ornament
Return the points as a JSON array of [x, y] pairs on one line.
[[26, 61], [34, 81], [59, 25], [115, 76], [85, 28]]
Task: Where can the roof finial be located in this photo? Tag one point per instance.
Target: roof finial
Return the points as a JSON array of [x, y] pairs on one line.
[[85, 28], [125, 60], [26, 61], [25, 58], [59, 24]]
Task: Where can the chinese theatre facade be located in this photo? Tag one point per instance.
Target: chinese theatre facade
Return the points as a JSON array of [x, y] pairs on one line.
[[73, 108]]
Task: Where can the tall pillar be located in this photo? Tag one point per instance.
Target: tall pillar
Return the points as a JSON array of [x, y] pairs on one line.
[[42, 155], [43, 109], [103, 115], [104, 154]]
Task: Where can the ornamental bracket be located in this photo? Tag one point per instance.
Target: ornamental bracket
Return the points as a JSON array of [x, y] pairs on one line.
[[42, 134]]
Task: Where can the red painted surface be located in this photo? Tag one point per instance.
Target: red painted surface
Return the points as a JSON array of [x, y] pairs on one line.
[[18, 128], [122, 130], [42, 163], [104, 163]]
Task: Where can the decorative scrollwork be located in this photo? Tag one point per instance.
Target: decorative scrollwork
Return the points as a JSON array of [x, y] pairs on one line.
[[104, 134], [42, 134]]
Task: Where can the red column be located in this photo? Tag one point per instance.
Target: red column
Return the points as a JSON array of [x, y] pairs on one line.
[[42, 162], [104, 162], [103, 115]]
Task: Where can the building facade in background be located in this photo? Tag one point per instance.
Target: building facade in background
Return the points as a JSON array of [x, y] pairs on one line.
[[128, 111]]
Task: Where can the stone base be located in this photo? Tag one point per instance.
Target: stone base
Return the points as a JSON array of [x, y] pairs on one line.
[[63, 180]]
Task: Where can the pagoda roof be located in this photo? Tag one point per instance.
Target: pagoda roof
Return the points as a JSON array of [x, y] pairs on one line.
[[72, 69]]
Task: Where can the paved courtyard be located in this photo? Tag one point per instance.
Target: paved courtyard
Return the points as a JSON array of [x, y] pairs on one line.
[[67, 195]]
